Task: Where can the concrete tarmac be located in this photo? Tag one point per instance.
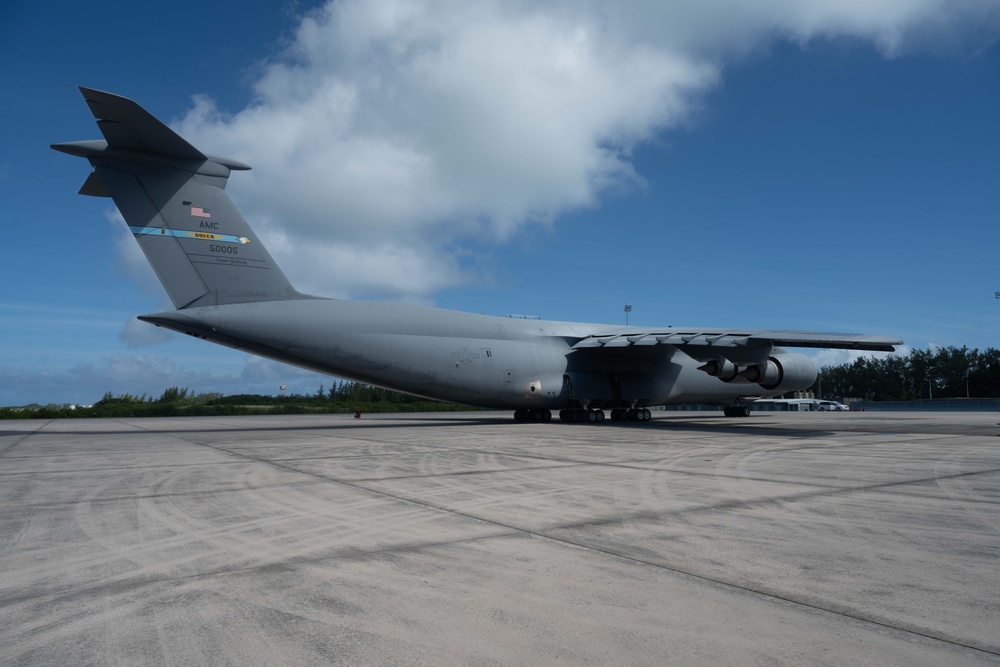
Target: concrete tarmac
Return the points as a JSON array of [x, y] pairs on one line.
[[468, 539]]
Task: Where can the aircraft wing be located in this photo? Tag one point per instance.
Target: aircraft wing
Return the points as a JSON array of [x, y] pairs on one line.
[[735, 339]]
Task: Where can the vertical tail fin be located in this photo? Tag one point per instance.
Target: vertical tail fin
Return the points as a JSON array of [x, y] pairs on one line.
[[173, 198]]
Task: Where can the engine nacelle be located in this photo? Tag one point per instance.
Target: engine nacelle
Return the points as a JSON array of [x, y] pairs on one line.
[[783, 372], [721, 368]]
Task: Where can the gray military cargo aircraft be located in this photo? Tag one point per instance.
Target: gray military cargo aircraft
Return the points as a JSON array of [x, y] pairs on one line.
[[227, 289]]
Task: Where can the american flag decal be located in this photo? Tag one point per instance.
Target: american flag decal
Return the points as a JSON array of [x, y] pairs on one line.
[[199, 212]]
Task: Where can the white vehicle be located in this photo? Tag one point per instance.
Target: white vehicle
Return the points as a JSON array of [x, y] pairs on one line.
[[831, 406]]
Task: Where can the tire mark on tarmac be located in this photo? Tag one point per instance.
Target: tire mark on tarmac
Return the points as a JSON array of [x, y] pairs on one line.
[[24, 437], [572, 542], [833, 609]]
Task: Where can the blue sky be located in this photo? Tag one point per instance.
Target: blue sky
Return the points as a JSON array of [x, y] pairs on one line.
[[818, 166]]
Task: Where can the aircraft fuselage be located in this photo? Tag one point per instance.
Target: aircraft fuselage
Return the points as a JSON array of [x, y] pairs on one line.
[[493, 362]]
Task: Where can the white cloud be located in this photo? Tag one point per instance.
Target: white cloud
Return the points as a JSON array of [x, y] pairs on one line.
[[391, 137]]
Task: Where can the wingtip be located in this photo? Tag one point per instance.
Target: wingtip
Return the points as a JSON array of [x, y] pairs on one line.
[[100, 96], [94, 92]]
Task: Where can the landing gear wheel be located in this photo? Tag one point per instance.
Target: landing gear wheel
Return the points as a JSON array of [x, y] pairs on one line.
[[522, 415], [600, 416]]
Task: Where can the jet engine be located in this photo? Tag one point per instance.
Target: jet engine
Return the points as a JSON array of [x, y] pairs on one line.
[[782, 372]]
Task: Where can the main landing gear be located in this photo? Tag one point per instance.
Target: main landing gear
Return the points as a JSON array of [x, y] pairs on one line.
[[631, 415], [737, 411], [581, 416], [592, 416], [526, 415]]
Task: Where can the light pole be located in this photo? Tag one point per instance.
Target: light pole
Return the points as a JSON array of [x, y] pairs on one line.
[[628, 309]]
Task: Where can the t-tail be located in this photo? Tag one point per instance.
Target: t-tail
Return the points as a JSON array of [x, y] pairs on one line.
[[173, 199]]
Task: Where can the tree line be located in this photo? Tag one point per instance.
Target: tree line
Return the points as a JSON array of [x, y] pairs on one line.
[[341, 397], [945, 372]]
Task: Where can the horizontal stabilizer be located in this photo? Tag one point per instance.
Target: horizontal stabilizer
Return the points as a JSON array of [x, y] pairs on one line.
[[125, 124]]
